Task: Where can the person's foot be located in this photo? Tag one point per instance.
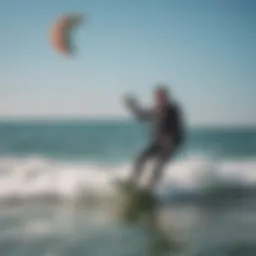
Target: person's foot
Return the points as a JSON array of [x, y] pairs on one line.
[[126, 185]]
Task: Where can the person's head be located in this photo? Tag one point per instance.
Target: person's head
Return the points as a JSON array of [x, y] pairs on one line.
[[161, 96]]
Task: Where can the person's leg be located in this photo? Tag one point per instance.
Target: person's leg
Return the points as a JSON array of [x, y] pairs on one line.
[[140, 163], [162, 159]]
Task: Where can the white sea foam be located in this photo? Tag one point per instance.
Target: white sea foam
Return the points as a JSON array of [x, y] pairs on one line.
[[38, 177]]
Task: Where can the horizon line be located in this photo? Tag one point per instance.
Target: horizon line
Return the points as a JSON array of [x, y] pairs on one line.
[[40, 119]]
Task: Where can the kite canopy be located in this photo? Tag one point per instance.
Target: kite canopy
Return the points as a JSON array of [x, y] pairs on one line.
[[61, 30]]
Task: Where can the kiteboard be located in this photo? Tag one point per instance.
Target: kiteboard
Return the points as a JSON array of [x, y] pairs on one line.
[[133, 201]]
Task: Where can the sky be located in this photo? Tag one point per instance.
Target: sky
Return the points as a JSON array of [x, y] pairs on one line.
[[204, 50]]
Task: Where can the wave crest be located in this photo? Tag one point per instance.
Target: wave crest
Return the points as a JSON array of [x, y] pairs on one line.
[[26, 178]]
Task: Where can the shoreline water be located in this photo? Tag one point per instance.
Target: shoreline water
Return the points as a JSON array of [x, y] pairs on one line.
[[61, 229], [57, 193]]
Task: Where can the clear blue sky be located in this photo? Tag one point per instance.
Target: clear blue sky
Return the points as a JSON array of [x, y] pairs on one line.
[[204, 49]]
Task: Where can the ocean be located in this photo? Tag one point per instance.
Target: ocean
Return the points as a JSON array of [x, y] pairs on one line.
[[58, 195]]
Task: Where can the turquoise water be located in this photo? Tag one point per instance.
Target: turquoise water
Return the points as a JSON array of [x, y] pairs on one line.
[[57, 192], [114, 141]]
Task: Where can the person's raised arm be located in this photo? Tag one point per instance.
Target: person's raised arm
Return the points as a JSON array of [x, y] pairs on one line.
[[136, 110]]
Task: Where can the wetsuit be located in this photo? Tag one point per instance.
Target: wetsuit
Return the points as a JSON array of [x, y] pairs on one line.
[[167, 137]]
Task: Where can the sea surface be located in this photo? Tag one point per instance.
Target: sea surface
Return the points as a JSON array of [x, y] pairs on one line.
[[58, 195]]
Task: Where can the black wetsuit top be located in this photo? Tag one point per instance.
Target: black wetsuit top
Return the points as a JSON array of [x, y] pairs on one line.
[[167, 123]]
